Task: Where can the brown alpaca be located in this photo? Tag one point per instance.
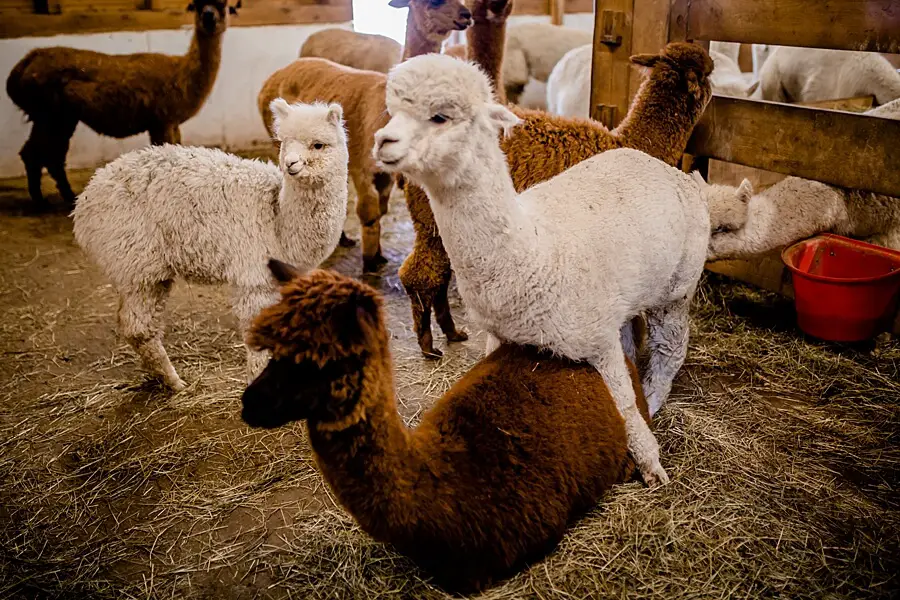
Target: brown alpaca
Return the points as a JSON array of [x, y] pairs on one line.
[[115, 95], [662, 116], [491, 477], [361, 94]]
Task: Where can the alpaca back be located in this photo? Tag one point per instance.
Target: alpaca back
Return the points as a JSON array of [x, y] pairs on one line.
[[176, 210], [364, 51], [360, 94]]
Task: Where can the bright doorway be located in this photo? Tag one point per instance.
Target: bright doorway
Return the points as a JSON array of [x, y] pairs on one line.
[[375, 16]]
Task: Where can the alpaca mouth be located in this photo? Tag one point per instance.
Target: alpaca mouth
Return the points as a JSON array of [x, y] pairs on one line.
[[461, 25]]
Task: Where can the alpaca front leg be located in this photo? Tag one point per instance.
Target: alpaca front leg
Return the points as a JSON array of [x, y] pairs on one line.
[[139, 313], [247, 303], [368, 210], [165, 134], [668, 331], [641, 442], [444, 317]]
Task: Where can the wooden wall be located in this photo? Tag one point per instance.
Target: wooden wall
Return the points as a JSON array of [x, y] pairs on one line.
[[24, 18], [546, 7]]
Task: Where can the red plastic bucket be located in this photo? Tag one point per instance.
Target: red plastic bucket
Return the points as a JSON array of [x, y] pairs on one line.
[[844, 290]]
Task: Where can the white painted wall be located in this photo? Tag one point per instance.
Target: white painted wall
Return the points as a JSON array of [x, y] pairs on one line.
[[229, 118]]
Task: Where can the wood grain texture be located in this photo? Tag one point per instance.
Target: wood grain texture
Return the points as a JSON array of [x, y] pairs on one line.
[[611, 68], [545, 7], [844, 149], [872, 25]]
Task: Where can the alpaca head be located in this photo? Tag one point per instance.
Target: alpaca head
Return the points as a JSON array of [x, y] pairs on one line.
[[728, 208], [313, 140], [436, 18], [684, 69], [442, 116], [211, 16], [320, 334]]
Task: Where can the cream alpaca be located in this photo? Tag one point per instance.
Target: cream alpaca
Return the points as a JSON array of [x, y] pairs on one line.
[[211, 217], [560, 265], [532, 50]]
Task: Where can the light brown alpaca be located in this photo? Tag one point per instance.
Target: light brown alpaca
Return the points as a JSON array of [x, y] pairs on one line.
[[662, 116], [115, 95], [520, 446], [366, 51], [361, 94]]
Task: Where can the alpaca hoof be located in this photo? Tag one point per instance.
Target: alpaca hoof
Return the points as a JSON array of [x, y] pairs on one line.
[[432, 354], [373, 264], [654, 476], [37, 207], [177, 385], [460, 335], [346, 242]]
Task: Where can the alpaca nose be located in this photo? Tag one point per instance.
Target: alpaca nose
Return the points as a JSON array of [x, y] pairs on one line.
[[464, 14], [384, 140]]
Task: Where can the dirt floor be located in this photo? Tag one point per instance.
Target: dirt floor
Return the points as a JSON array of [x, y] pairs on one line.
[[784, 455]]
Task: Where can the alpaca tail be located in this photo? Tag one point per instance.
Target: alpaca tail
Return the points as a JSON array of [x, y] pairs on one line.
[[37, 83]]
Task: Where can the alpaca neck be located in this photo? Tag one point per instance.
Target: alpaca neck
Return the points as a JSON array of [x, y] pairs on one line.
[[494, 224], [368, 457], [418, 41], [486, 41], [309, 219], [660, 121], [201, 67]]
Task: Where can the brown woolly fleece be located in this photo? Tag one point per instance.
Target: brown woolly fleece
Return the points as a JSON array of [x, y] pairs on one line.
[[115, 95], [361, 94], [497, 468], [668, 104]]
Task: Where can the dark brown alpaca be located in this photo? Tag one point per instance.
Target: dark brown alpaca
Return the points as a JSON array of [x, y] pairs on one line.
[[115, 95], [496, 470], [662, 116]]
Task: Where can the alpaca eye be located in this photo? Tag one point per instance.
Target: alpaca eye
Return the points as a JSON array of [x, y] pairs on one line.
[[439, 118], [722, 229], [318, 146]]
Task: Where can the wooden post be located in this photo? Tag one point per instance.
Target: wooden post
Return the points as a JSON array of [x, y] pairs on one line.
[[557, 11], [611, 68]]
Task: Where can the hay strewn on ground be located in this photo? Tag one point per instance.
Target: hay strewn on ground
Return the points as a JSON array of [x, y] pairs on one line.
[[783, 453]]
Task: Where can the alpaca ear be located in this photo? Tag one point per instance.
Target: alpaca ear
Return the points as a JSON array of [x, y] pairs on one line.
[[233, 9], [699, 179], [646, 60], [745, 191], [335, 114], [399, 3], [502, 117], [190, 7], [280, 110], [283, 272]]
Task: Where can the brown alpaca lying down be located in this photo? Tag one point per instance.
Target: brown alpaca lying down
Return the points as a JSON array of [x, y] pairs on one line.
[[492, 476]]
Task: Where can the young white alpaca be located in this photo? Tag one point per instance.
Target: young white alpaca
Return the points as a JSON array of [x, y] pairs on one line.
[[812, 74], [211, 217], [794, 208], [566, 263]]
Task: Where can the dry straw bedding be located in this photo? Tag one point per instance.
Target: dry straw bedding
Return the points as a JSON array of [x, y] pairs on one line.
[[783, 454]]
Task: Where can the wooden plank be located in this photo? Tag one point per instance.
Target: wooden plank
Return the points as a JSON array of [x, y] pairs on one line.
[[844, 149], [557, 11], [543, 7], [650, 34], [279, 12], [872, 25], [611, 67], [856, 104]]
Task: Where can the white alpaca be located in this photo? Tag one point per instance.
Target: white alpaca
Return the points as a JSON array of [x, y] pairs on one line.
[[793, 209], [566, 263], [211, 217], [727, 78], [812, 74], [533, 49]]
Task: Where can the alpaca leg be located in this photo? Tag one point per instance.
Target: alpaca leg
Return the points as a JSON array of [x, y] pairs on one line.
[[346, 242], [444, 318], [31, 155], [165, 134], [421, 315], [629, 344], [491, 344], [369, 212], [668, 329], [247, 303], [641, 442], [56, 159], [139, 312]]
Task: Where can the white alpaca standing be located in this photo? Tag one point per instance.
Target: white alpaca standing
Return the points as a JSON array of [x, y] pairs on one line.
[[813, 74], [793, 209], [207, 216], [533, 49], [566, 263]]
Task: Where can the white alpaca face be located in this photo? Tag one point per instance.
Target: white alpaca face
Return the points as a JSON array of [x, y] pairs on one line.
[[728, 210], [442, 113], [313, 140]]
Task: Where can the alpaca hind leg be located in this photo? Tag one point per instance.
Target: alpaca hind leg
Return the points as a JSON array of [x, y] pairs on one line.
[[445, 318], [165, 134], [369, 212], [421, 314], [641, 442], [139, 312], [247, 303], [667, 329], [31, 156], [56, 159]]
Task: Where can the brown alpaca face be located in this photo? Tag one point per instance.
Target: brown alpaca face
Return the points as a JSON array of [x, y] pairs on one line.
[[437, 17], [211, 16]]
